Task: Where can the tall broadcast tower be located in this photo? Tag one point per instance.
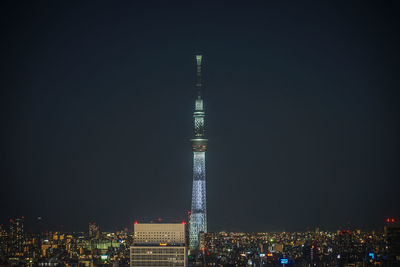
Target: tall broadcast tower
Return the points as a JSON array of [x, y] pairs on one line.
[[198, 217]]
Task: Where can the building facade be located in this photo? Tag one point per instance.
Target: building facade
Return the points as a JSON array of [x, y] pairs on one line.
[[16, 236], [94, 231], [159, 244], [198, 216], [168, 255], [154, 233], [392, 234]]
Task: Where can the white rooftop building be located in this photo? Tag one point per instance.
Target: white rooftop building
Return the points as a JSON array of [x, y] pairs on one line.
[[159, 244]]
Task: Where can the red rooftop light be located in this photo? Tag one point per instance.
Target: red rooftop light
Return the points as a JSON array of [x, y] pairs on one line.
[[136, 222], [392, 220]]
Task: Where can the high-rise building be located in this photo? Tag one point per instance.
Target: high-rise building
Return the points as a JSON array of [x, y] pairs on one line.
[[159, 244], [3, 240], [16, 236], [154, 233], [392, 234], [94, 231], [198, 216]]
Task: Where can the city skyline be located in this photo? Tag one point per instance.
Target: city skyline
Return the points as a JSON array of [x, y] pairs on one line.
[[166, 244], [302, 105]]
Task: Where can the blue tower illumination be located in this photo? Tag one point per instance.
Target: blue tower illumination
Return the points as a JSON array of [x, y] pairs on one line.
[[198, 217]]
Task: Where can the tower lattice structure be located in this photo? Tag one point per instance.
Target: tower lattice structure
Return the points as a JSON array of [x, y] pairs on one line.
[[198, 217]]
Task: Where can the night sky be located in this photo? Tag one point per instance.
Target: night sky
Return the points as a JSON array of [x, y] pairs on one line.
[[301, 100]]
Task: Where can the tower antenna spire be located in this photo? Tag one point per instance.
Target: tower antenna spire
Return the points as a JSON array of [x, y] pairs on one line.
[[198, 84]]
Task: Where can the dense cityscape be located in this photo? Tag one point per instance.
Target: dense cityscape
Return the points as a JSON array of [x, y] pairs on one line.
[[345, 247], [106, 118]]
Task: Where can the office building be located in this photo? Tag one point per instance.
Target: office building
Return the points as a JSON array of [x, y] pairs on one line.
[[16, 236], [159, 244], [94, 231], [392, 234]]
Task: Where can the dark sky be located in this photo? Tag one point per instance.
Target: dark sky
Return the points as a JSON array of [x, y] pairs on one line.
[[301, 105]]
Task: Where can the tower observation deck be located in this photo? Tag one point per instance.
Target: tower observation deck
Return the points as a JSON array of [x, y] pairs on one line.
[[198, 217]]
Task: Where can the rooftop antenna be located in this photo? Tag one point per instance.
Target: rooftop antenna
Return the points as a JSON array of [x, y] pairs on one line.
[[198, 59]]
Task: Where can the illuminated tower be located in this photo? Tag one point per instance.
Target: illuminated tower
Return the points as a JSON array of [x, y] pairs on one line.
[[198, 216]]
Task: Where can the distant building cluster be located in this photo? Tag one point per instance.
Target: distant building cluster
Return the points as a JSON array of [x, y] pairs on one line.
[[166, 244], [318, 248], [91, 248]]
